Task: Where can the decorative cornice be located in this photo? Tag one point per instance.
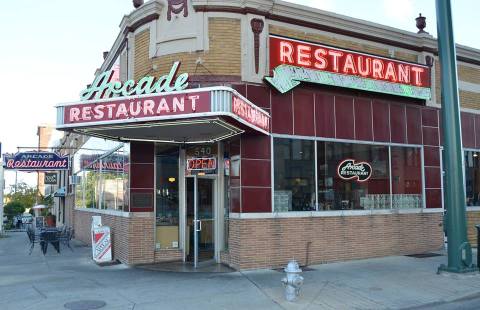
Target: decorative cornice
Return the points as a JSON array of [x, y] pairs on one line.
[[139, 23], [308, 17]]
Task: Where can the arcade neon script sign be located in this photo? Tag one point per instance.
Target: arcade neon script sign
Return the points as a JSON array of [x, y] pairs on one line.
[[104, 87], [348, 169], [293, 62]]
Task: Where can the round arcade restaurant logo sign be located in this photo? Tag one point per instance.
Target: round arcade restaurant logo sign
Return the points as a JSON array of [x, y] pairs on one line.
[[349, 170]]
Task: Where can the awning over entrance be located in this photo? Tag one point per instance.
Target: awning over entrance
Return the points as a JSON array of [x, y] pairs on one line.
[[191, 116]]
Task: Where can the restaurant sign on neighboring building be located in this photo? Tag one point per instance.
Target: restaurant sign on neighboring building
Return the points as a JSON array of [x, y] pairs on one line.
[[293, 62], [111, 163], [36, 161]]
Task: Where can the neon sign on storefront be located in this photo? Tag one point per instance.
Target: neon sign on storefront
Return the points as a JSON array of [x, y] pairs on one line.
[[103, 86], [292, 62]]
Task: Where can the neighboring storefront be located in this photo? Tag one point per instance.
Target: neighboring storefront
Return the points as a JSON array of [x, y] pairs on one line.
[[256, 137]]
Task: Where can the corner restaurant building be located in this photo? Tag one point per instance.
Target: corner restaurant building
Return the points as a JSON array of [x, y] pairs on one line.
[[268, 131]]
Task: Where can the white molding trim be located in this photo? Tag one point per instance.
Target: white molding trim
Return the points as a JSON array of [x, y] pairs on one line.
[[473, 208], [467, 86], [339, 213], [116, 212]]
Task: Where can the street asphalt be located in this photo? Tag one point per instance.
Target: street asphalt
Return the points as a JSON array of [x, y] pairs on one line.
[[54, 280]]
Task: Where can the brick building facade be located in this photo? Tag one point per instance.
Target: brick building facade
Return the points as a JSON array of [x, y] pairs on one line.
[[214, 185]]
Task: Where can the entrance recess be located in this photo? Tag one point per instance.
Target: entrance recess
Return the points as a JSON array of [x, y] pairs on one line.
[[200, 243]]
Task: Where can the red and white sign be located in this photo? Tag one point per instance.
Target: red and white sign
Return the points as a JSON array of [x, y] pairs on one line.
[[250, 113], [285, 51], [102, 244], [201, 164], [124, 108]]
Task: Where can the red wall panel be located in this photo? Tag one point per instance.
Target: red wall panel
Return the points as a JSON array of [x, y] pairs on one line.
[[433, 177], [430, 117], [414, 125], [303, 113], [344, 121], [282, 113], [381, 121], [433, 198], [363, 119], [259, 95], [468, 130], [256, 172], [256, 200], [325, 115], [398, 123], [431, 156], [430, 136]]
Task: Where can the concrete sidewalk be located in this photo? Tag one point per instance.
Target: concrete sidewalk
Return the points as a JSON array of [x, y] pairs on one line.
[[49, 282]]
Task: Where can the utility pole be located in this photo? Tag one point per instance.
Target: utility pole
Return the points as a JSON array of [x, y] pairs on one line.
[[459, 250]]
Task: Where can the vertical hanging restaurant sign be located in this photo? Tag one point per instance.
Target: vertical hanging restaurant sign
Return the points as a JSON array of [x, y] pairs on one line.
[[36, 161], [293, 62]]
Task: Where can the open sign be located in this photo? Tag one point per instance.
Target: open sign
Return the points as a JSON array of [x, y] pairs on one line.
[[196, 164]]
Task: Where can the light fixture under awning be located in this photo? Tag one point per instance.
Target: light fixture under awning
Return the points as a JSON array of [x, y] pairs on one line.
[[192, 116]]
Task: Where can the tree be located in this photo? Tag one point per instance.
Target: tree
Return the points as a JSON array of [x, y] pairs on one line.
[[13, 208], [25, 195]]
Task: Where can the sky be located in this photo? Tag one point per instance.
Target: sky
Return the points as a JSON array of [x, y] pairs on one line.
[[50, 50]]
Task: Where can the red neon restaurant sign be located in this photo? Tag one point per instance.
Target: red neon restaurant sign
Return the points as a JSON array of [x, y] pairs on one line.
[[162, 106], [316, 57], [124, 108]]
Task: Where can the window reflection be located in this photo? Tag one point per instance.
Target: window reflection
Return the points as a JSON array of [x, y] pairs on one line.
[[294, 175], [472, 178], [102, 177]]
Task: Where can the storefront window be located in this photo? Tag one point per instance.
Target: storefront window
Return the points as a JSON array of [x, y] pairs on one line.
[[167, 197], [338, 191], [294, 175], [406, 178], [102, 176], [472, 178], [350, 176]]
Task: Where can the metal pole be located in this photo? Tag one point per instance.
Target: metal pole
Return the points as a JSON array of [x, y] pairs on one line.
[[2, 182], [459, 250]]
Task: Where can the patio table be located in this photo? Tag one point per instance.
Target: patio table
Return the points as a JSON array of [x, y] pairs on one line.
[[50, 235]]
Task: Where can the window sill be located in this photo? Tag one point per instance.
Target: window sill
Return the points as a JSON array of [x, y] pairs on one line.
[[115, 212], [331, 213]]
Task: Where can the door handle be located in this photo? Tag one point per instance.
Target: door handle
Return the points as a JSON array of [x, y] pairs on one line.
[[199, 225]]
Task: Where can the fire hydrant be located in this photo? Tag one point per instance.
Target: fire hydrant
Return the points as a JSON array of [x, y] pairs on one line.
[[292, 281]]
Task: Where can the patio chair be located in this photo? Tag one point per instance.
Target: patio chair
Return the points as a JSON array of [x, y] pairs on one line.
[[66, 236], [34, 238]]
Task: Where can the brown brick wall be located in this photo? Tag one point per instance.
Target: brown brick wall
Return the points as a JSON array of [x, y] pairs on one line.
[[469, 74], [168, 255], [469, 100], [265, 243], [132, 237], [406, 56], [473, 218], [328, 40], [222, 58]]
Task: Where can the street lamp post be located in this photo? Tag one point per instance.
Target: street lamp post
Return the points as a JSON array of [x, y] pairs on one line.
[[2, 182], [459, 249]]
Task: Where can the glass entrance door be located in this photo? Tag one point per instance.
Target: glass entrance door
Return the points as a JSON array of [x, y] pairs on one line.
[[200, 241]]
